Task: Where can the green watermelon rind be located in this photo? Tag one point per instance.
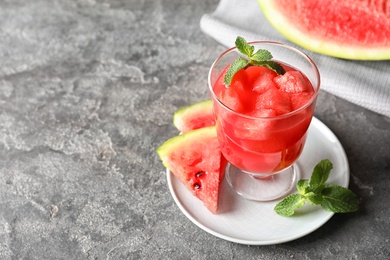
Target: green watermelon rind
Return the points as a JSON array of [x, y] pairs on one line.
[[183, 115], [303, 39]]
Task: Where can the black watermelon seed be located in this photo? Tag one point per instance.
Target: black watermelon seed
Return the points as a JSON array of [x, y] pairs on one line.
[[198, 174]]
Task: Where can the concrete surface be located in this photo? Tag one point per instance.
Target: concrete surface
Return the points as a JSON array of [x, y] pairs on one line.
[[87, 93]]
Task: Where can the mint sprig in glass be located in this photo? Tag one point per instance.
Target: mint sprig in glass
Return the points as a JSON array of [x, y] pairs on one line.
[[259, 58]]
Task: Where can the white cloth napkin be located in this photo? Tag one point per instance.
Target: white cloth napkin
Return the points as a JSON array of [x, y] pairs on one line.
[[365, 83]]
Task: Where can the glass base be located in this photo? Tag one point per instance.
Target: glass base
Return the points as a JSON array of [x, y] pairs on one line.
[[262, 187]]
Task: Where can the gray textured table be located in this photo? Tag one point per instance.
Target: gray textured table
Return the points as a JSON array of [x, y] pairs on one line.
[[87, 93]]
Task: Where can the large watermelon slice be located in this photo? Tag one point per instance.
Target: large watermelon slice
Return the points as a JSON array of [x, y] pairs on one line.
[[350, 29], [194, 116], [195, 159]]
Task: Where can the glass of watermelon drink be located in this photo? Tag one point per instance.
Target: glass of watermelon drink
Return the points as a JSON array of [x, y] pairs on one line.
[[262, 119]]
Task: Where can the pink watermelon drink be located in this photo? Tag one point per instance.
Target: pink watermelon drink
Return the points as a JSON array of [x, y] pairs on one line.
[[271, 144], [262, 118]]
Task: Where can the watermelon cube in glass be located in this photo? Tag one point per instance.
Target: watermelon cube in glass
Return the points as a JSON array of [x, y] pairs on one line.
[[262, 119]]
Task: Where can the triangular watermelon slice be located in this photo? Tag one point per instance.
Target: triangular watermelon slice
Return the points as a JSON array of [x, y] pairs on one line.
[[195, 159], [194, 116]]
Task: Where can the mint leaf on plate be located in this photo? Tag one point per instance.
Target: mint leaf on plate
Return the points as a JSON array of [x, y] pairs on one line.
[[330, 197], [338, 199], [302, 186], [288, 206], [320, 174], [313, 198]]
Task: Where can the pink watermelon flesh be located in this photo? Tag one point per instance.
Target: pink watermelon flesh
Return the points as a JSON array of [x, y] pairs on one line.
[[292, 82], [359, 22], [349, 29], [261, 78], [195, 159], [274, 99], [231, 98], [300, 99]]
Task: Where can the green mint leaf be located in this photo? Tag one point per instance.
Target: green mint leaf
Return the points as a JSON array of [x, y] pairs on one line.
[[339, 199], [313, 198], [238, 64], [260, 58], [320, 175], [331, 197], [272, 65], [288, 205], [261, 55], [244, 47], [302, 186]]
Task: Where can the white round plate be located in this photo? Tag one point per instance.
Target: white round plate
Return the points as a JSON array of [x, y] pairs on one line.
[[256, 223]]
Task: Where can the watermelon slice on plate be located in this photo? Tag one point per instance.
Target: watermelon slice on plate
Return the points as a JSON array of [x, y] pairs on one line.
[[194, 116], [196, 160], [350, 29]]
